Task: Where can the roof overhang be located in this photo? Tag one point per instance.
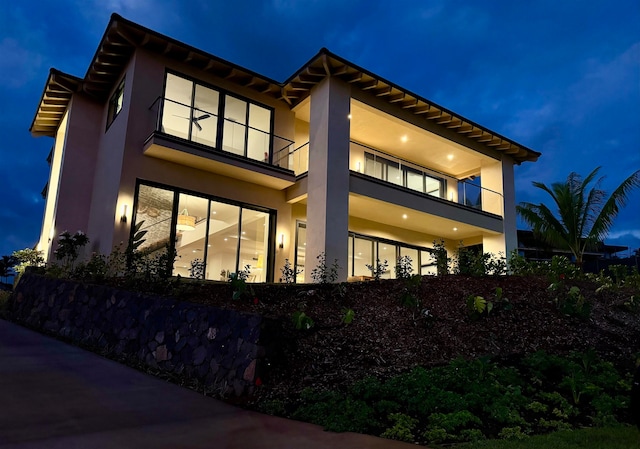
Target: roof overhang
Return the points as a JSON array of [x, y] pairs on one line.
[[54, 101], [297, 88], [122, 37]]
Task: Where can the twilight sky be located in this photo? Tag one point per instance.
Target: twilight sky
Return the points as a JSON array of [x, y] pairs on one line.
[[561, 77]]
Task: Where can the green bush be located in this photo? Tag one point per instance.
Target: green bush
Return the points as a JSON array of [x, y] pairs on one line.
[[402, 429]]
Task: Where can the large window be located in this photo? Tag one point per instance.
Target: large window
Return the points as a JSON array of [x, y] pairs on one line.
[[211, 238], [366, 250], [211, 117], [403, 175], [115, 103]]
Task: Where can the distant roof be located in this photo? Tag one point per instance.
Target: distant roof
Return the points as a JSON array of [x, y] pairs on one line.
[[122, 37]]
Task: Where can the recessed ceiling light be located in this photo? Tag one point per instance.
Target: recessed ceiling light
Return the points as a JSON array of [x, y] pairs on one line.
[[349, 116], [404, 216], [455, 229], [404, 138], [214, 212], [450, 157], [243, 233], [226, 239]]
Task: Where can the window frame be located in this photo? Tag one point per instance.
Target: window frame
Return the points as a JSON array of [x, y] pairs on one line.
[[220, 115], [112, 108], [177, 191]]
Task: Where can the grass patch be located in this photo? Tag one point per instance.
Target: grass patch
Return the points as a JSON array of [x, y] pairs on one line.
[[622, 437]]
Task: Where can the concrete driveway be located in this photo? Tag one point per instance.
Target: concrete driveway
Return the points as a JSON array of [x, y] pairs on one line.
[[54, 395]]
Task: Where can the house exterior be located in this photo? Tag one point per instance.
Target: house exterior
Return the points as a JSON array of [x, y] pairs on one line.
[[234, 169]]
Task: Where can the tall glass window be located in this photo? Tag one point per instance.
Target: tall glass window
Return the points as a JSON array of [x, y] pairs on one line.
[[176, 109], [403, 175], [204, 123], [212, 238], [362, 256], [153, 214], [222, 243], [387, 251], [301, 250], [253, 244], [191, 111]]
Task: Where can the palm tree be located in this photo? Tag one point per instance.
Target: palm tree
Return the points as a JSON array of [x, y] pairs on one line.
[[585, 214]]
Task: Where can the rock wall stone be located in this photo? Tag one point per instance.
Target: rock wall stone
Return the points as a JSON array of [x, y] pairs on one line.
[[220, 348]]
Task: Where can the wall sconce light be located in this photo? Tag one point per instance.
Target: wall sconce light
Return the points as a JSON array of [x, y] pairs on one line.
[[123, 217], [358, 166], [450, 196], [281, 244]]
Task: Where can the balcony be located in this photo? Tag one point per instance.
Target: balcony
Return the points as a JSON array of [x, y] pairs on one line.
[[405, 175], [393, 170], [201, 139]]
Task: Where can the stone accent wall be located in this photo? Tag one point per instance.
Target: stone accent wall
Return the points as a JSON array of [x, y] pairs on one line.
[[217, 347]]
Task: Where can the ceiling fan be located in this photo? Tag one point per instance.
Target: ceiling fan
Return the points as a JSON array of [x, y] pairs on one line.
[[195, 120]]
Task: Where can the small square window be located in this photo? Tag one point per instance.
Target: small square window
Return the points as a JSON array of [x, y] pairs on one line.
[[115, 103]]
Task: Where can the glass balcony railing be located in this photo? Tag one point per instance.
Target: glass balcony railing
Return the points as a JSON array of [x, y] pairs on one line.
[[296, 160], [391, 169], [214, 133]]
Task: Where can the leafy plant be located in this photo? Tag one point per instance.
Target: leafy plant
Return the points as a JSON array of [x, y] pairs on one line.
[[69, 247], [402, 429], [585, 214], [477, 306], [347, 315], [403, 267], [439, 253], [289, 273], [27, 258], [324, 274], [238, 282], [379, 269], [196, 270], [302, 321]]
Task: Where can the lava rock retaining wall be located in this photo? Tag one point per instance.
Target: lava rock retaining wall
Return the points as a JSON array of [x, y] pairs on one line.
[[219, 348]]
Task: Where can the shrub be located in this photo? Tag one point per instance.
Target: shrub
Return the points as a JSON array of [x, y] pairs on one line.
[[403, 267], [402, 429], [379, 269], [323, 274], [289, 273]]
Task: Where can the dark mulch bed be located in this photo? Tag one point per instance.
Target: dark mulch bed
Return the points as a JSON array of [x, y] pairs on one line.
[[386, 337]]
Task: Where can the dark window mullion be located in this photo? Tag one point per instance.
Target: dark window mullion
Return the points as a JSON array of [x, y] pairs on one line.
[[193, 99], [239, 239], [221, 118], [246, 131], [172, 232], [206, 241]]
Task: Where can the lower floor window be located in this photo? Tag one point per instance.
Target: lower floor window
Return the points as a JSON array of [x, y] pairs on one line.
[[365, 251], [211, 238]]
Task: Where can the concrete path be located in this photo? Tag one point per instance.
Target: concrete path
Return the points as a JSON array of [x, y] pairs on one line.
[[54, 395]]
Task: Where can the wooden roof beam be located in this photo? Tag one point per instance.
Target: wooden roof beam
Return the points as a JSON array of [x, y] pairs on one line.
[[369, 85], [382, 92], [354, 78]]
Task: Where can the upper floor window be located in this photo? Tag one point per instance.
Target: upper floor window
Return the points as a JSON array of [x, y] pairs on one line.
[[403, 175], [115, 103], [201, 114]]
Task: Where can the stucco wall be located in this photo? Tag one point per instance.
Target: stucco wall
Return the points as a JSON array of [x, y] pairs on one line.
[[220, 348]]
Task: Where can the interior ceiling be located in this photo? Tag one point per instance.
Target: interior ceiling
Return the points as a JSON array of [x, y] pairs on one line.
[[392, 215], [386, 133]]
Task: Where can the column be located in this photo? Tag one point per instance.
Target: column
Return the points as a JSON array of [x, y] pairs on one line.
[[328, 177]]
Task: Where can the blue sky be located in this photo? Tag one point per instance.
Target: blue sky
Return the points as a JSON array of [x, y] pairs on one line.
[[562, 78]]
